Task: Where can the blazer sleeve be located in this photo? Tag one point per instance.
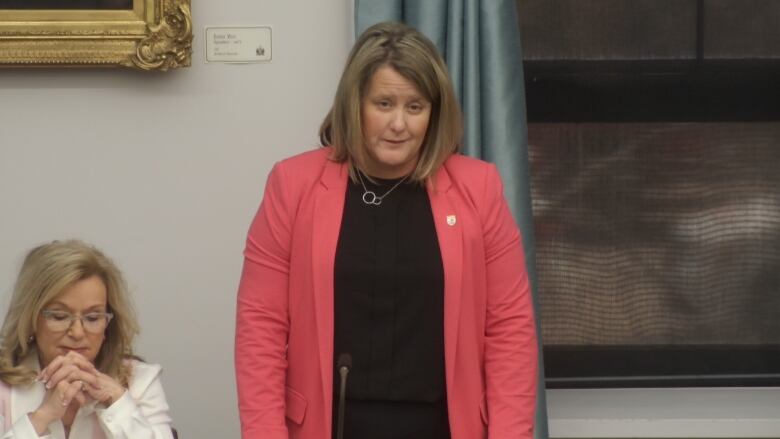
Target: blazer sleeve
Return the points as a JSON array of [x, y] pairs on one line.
[[262, 322], [23, 429], [510, 331], [142, 412]]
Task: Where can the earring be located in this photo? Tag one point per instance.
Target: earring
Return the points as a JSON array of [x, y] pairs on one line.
[[31, 339]]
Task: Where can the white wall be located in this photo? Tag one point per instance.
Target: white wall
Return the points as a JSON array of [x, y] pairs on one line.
[[664, 413], [164, 172]]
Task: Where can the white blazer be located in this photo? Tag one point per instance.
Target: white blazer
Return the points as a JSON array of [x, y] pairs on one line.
[[141, 413]]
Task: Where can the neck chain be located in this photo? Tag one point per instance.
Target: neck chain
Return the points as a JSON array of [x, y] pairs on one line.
[[370, 198]]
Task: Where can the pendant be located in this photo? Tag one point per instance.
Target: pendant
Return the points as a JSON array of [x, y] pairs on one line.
[[370, 198]]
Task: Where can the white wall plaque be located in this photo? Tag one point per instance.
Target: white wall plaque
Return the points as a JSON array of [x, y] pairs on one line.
[[238, 44]]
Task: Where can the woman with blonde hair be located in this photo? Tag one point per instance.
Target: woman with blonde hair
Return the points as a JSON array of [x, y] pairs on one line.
[[67, 368], [384, 292]]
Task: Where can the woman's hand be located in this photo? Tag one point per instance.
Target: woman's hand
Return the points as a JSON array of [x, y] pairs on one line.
[[70, 367], [74, 367], [56, 403], [106, 391], [72, 377], [66, 380]]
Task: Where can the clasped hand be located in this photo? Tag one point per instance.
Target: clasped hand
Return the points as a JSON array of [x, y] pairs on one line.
[[70, 378]]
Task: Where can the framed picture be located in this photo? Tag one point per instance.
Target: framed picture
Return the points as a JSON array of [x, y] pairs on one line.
[[139, 34]]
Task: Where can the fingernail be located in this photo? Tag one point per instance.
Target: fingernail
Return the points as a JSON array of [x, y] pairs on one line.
[[48, 385], [65, 403]]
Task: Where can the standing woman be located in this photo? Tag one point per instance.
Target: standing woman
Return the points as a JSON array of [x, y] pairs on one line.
[[389, 246], [67, 368]]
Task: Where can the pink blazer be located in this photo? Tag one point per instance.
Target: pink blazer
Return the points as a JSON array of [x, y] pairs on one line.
[[284, 327]]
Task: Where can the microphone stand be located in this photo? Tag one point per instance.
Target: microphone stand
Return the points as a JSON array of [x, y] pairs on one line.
[[344, 364]]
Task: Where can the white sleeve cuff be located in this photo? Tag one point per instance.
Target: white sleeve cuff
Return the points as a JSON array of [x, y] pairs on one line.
[[122, 408], [23, 429]]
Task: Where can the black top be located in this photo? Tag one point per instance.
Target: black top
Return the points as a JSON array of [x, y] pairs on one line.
[[389, 296]]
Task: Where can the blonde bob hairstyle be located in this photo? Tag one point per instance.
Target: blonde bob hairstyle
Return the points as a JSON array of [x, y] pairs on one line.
[[414, 57], [47, 271]]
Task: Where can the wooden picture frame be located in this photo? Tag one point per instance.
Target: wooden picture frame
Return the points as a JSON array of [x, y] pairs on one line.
[[152, 35]]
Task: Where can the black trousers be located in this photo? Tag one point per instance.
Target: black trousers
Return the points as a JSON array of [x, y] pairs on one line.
[[393, 420]]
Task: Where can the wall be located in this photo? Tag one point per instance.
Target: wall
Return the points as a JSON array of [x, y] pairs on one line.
[[164, 172], [664, 413]]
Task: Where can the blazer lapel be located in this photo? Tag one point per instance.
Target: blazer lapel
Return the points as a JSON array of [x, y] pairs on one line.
[[449, 233], [327, 214]]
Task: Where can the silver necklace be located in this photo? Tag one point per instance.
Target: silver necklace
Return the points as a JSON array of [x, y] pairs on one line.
[[370, 197]]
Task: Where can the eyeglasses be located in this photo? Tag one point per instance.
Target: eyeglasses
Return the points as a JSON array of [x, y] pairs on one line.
[[60, 321]]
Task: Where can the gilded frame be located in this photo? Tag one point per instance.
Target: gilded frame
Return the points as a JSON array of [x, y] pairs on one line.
[[153, 35]]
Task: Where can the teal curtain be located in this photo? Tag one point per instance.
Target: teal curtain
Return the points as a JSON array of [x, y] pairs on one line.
[[480, 40]]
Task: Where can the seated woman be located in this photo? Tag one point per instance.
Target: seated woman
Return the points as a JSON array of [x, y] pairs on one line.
[[67, 368]]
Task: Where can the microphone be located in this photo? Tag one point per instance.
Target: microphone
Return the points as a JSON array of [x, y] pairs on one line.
[[344, 364]]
